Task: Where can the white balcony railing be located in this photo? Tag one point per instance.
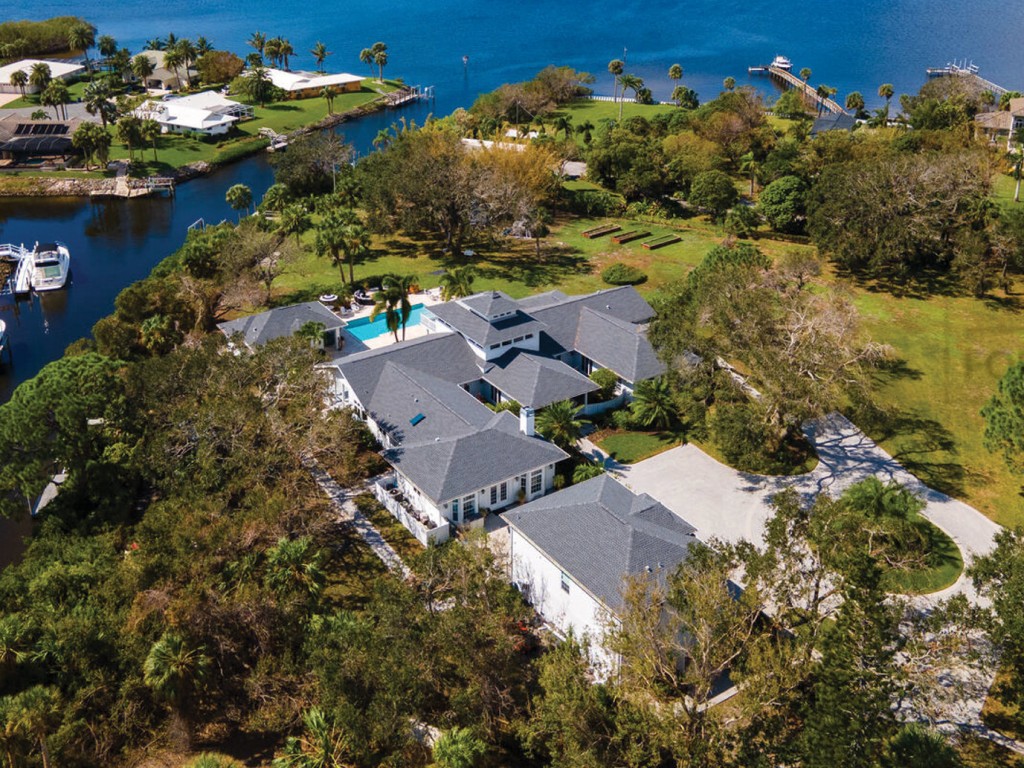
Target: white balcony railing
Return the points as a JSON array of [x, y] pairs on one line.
[[424, 529]]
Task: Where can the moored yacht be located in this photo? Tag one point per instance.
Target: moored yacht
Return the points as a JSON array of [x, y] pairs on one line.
[[782, 62], [51, 264]]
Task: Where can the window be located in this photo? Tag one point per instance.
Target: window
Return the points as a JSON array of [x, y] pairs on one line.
[[528, 336], [506, 343], [565, 582], [455, 510], [518, 339], [504, 492], [536, 481], [522, 482], [494, 495], [468, 506]]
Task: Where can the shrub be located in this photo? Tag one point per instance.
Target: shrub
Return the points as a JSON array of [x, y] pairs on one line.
[[783, 203], [594, 203], [505, 405], [740, 434], [607, 381], [623, 274], [624, 419], [213, 760], [742, 221]]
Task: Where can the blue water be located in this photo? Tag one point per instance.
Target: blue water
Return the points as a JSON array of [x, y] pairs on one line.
[[364, 330], [851, 46]]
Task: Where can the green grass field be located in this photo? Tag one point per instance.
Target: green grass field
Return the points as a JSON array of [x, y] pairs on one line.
[[32, 100], [924, 580], [631, 447]]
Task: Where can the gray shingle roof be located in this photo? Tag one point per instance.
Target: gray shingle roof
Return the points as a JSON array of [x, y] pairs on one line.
[[484, 332], [490, 303], [618, 345], [280, 321], [599, 532], [443, 355], [446, 468], [542, 300], [562, 319], [536, 381]]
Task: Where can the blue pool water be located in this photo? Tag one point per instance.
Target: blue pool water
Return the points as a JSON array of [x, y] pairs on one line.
[[364, 330]]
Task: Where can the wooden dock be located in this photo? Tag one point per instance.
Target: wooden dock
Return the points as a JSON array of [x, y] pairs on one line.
[[408, 94], [160, 184], [790, 80], [19, 279], [967, 70]]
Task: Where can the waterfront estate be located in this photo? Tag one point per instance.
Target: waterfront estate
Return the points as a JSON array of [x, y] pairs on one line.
[[59, 70], [304, 85], [207, 112], [427, 399]]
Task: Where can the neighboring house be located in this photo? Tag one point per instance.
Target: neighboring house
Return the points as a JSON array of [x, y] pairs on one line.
[[59, 70], [302, 85], [833, 122], [208, 112], [999, 126], [31, 142], [162, 78], [426, 399], [257, 330], [570, 554]]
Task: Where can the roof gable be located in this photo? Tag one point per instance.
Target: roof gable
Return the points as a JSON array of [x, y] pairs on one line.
[[280, 321]]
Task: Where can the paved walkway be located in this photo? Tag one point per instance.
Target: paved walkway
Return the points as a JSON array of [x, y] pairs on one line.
[[345, 505], [722, 502]]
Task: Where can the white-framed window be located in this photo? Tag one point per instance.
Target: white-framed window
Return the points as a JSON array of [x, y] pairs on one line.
[[537, 481], [468, 505], [455, 510], [504, 491], [522, 482], [494, 495], [565, 582]]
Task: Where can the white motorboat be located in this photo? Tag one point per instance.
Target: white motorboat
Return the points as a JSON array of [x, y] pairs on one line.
[[51, 265], [782, 62]]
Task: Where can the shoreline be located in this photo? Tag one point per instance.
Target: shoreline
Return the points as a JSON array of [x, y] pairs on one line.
[[106, 187]]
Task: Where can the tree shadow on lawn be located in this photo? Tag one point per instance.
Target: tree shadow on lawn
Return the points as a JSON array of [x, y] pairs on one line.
[[553, 266], [923, 285], [282, 108]]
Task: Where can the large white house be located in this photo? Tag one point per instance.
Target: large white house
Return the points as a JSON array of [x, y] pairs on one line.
[[426, 399], [59, 70], [208, 112], [309, 84], [570, 554]]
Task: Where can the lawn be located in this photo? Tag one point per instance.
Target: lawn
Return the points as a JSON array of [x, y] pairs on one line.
[[394, 533], [951, 349], [76, 90], [631, 447], [599, 111]]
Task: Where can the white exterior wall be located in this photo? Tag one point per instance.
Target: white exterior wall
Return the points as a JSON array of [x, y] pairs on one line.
[[483, 495], [540, 580], [532, 344]]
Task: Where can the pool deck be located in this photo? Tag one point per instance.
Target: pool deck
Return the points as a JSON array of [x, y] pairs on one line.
[[353, 345]]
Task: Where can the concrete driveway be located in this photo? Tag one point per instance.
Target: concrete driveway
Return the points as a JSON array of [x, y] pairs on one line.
[[724, 503]]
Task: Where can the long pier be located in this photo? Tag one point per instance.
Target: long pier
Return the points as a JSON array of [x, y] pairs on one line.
[[966, 70], [809, 93]]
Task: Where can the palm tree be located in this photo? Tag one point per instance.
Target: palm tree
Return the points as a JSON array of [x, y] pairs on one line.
[[173, 59], [457, 282], [143, 67], [295, 565], [586, 130], [458, 748], [93, 141], [19, 79], [272, 50], [855, 102], [175, 671], [258, 84], [328, 96], [276, 197], [239, 197], [388, 302], [380, 58], [749, 164], [355, 241], [40, 76], [97, 101], [156, 44], [203, 46], [1017, 157], [149, 130], [633, 83], [37, 710], [57, 96], [320, 53], [188, 54], [366, 56], [805, 74], [653, 403], [128, 134], [11, 736], [822, 92], [675, 73], [616, 68], [257, 41], [107, 46], [559, 424], [563, 123], [330, 235], [294, 221], [285, 50], [587, 471], [729, 84], [400, 285], [321, 745], [81, 37], [886, 91]]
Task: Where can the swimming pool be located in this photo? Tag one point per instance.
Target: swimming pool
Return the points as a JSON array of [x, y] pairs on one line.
[[364, 330]]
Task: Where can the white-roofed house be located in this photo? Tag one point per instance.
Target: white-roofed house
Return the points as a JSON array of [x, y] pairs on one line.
[[59, 70], [302, 85], [208, 112]]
